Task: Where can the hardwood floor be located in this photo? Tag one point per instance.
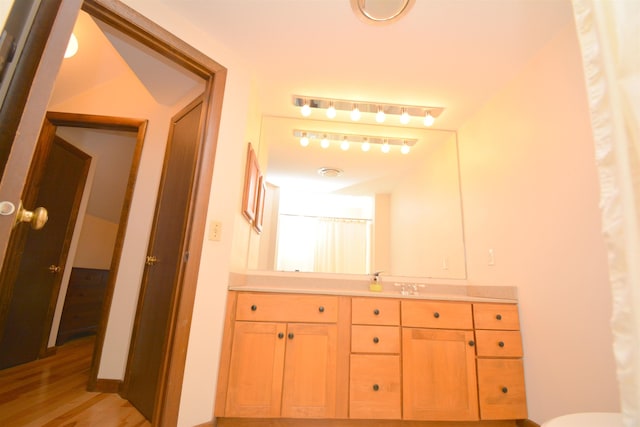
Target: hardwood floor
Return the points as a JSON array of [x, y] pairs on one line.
[[52, 392]]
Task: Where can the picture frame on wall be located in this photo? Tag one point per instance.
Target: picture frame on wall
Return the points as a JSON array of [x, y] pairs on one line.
[[262, 188], [251, 182]]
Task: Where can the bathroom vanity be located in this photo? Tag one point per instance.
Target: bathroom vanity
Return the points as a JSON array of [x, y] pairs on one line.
[[347, 355]]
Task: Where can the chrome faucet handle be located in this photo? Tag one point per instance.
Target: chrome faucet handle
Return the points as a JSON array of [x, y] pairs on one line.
[[403, 288], [414, 288]]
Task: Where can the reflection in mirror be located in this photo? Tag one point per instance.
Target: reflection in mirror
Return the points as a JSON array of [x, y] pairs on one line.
[[392, 212]]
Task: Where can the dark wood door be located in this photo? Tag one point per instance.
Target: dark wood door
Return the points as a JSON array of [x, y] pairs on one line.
[[165, 262], [56, 182]]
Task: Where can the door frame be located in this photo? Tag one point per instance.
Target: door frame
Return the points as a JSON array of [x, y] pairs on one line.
[[140, 28], [53, 120]]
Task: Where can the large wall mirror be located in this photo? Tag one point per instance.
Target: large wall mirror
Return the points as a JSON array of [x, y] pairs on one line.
[[370, 211]]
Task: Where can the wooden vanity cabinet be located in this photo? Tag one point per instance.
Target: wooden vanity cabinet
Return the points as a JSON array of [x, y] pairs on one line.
[[438, 361], [284, 358], [501, 385]]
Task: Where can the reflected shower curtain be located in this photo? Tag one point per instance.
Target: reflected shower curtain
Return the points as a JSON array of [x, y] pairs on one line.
[[342, 246], [323, 245], [609, 37]]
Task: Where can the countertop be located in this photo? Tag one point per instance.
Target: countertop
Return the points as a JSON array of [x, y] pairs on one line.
[[358, 285]]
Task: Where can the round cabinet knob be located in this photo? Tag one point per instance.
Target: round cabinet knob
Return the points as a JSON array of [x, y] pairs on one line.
[[376, 387], [290, 336], [280, 335], [436, 314], [254, 307], [505, 390], [376, 340], [472, 343], [501, 343], [321, 309], [376, 312], [498, 316]]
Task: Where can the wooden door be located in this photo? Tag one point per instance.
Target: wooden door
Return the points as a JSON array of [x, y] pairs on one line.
[[56, 182], [310, 371], [166, 261], [439, 375], [255, 370]]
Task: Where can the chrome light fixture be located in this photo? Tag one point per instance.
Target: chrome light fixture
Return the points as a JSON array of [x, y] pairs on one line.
[[345, 140], [375, 110]]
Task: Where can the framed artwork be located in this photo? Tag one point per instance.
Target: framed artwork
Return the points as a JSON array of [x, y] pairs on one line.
[[251, 178], [262, 188]]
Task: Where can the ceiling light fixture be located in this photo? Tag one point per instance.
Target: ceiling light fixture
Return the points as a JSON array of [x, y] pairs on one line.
[[368, 110], [428, 119], [345, 144], [331, 111], [355, 113], [324, 143], [381, 11], [345, 140], [72, 46], [305, 110], [405, 148], [404, 117], [304, 141], [385, 148]]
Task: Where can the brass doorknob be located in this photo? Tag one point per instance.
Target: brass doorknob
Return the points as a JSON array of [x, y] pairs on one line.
[[55, 268], [38, 217], [151, 260]]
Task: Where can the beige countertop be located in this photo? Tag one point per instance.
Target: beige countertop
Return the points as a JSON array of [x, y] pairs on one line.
[[358, 285]]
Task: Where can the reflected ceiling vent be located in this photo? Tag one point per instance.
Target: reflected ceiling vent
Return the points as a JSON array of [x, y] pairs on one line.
[[330, 172]]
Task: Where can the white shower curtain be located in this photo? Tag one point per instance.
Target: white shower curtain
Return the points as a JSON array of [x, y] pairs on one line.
[[609, 37]]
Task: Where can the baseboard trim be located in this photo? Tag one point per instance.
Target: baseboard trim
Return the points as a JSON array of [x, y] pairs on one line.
[[107, 386]]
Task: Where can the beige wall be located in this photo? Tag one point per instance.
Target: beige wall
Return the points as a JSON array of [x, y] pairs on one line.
[[530, 193]]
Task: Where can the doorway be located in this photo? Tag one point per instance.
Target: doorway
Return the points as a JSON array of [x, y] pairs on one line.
[[160, 43]]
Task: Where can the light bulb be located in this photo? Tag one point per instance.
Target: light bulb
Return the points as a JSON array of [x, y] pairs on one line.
[[331, 111], [380, 115], [365, 146], [325, 142], [304, 141], [404, 118], [405, 148], [72, 46], [345, 144], [355, 114], [385, 147], [429, 119], [305, 110]]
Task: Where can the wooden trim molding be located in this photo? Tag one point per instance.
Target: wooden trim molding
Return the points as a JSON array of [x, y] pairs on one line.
[[107, 386]]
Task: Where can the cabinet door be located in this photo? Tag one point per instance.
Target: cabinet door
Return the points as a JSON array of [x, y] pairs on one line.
[[502, 390], [309, 389], [255, 371], [374, 389], [439, 375]]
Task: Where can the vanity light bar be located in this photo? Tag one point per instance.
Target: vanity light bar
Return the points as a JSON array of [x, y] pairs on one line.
[[312, 134], [377, 108]]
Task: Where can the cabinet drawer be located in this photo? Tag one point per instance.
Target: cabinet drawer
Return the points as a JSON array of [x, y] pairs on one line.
[[501, 389], [496, 316], [375, 311], [375, 339], [498, 343], [374, 388], [437, 314], [287, 308]]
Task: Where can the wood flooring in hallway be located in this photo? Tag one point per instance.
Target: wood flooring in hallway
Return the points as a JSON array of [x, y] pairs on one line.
[[51, 392]]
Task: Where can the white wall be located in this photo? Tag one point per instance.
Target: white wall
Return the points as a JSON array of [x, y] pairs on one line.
[[530, 193]]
